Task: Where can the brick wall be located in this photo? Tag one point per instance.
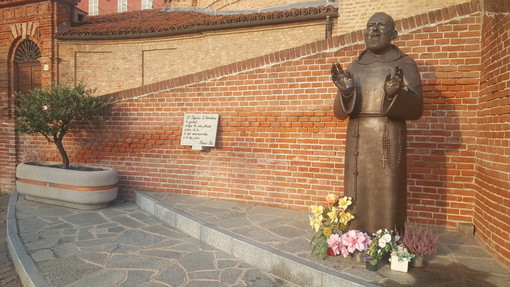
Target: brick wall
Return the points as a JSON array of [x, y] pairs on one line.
[[492, 209], [31, 21], [137, 62], [279, 143], [244, 4], [353, 13]]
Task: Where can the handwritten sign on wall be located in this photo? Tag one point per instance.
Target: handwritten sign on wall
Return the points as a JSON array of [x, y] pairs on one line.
[[199, 130]]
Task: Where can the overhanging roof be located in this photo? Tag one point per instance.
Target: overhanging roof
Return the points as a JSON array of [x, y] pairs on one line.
[[166, 22]]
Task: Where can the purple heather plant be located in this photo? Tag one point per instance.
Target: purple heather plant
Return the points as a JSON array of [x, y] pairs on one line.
[[419, 239]]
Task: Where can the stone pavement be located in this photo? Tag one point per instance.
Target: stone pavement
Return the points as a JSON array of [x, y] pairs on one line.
[[8, 275], [123, 246], [178, 240]]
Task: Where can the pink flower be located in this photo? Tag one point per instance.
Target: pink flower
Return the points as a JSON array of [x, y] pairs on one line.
[[355, 240], [335, 243]]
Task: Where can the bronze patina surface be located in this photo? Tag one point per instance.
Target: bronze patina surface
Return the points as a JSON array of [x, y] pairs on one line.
[[378, 92]]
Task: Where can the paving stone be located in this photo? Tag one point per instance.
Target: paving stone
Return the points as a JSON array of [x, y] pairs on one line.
[[230, 276], [196, 283], [69, 231], [30, 236], [142, 216], [110, 212], [31, 224], [62, 271], [118, 248], [138, 237], [42, 243], [136, 262], [136, 277], [65, 250], [174, 275], [49, 210], [128, 221], [85, 219], [226, 263], [84, 234], [198, 261], [94, 257], [115, 229], [286, 231], [258, 234], [169, 254], [164, 230], [211, 275], [103, 278], [92, 243], [42, 255]]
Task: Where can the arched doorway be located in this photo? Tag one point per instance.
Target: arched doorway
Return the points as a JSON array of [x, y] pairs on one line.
[[27, 67]]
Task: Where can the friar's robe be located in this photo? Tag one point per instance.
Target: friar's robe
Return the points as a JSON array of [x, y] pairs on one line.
[[375, 153]]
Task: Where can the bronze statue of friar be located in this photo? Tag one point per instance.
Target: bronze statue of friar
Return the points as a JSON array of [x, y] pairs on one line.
[[378, 92]]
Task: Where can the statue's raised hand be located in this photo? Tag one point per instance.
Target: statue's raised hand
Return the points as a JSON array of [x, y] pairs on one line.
[[393, 84], [341, 79]]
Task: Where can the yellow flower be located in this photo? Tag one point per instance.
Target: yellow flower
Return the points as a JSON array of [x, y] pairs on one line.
[[344, 202], [327, 231], [345, 217], [333, 215], [315, 222], [316, 210]]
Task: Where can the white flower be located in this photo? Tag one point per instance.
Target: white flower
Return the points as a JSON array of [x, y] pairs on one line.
[[382, 242], [387, 237]]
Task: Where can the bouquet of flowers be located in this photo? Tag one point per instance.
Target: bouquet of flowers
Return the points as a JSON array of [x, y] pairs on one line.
[[349, 242], [383, 241], [326, 221], [401, 252]]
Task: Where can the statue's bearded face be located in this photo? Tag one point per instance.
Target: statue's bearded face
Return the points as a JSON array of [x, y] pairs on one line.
[[379, 33]]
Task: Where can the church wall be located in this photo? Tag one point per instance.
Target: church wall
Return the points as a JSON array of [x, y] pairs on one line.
[[353, 13], [278, 141], [492, 211], [112, 66], [17, 23], [280, 145]]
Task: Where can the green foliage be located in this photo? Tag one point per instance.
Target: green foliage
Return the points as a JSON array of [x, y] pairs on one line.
[[52, 112], [319, 245]]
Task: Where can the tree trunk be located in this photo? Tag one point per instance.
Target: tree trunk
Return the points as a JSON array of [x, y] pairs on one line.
[[63, 153]]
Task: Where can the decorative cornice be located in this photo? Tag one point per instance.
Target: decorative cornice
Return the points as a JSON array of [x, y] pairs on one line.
[[157, 23]]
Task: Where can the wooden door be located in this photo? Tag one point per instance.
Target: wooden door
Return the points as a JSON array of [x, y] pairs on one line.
[[28, 76]]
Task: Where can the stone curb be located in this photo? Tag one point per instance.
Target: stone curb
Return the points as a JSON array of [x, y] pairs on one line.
[[291, 268], [25, 267]]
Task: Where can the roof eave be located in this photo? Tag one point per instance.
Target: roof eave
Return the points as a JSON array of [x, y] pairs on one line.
[[200, 29]]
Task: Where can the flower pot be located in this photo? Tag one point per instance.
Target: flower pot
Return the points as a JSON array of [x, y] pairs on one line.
[[397, 265], [418, 261], [86, 188], [330, 252], [372, 267]]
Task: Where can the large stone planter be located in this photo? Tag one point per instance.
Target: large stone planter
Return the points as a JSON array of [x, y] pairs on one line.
[[82, 189]]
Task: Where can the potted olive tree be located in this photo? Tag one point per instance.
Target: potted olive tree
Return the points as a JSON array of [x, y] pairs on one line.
[[52, 112]]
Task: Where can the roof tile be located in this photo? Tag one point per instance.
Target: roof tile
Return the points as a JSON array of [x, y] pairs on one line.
[[154, 21]]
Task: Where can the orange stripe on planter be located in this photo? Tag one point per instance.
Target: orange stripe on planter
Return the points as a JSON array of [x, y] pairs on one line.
[[65, 186]]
